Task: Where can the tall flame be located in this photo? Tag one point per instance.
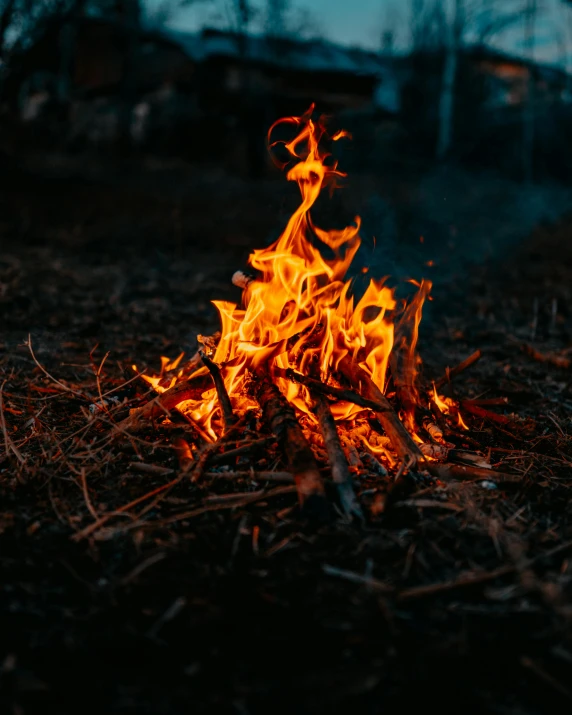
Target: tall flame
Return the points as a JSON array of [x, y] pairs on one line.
[[300, 311]]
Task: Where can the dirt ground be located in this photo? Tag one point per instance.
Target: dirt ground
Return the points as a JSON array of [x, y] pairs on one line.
[[236, 610]]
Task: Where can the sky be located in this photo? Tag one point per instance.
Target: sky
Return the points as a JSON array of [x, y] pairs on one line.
[[362, 22]]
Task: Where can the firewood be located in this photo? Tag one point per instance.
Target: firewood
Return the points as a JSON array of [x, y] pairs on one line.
[[458, 472], [400, 438], [452, 372], [223, 398], [321, 388], [242, 279], [256, 476], [340, 468], [402, 361], [280, 416], [239, 450], [477, 411], [162, 404]]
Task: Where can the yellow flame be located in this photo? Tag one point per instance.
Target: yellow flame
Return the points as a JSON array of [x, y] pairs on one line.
[[300, 311]]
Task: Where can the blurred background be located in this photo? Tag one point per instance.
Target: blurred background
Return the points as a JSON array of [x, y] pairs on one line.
[[145, 121]]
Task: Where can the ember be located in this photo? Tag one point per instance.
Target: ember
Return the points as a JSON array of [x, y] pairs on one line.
[[313, 355]]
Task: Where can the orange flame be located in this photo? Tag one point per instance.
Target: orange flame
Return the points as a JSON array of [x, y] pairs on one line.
[[300, 312]]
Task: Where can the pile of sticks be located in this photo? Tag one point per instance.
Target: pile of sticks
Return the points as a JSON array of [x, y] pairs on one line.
[[413, 461]]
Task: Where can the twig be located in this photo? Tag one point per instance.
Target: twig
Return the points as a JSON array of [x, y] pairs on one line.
[[372, 583], [8, 443], [556, 360], [265, 476], [28, 344], [86, 495], [462, 473], [476, 579], [400, 438], [153, 469], [256, 496], [94, 526], [452, 372], [473, 409], [162, 405], [321, 387], [221, 391], [281, 418], [242, 449], [340, 468]]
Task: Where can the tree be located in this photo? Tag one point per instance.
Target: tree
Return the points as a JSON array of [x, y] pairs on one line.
[[445, 27], [530, 11]]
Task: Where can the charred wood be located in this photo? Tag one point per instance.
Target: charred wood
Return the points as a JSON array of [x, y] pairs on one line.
[[452, 372], [280, 417], [340, 468], [221, 391], [400, 438], [322, 388]]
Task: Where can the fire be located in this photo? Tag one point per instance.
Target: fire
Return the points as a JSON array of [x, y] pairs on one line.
[[302, 311]]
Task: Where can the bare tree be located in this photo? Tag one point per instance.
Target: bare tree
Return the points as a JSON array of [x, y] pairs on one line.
[[276, 19], [530, 10], [447, 27], [167, 11], [454, 33]]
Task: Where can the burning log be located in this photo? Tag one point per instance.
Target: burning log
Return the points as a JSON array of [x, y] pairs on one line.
[[242, 279], [403, 359], [223, 398], [340, 468], [450, 373], [432, 428], [399, 437], [279, 415], [321, 388], [162, 405]]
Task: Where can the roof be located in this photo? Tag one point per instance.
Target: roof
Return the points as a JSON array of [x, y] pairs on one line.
[[309, 55]]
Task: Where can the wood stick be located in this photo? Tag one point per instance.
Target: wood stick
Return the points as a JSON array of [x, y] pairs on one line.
[[224, 400], [264, 476], [452, 372], [337, 392], [243, 449], [399, 437], [162, 404], [475, 579], [280, 416], [340, 468], [402, 361], [486, 414], [372, 583], [242, 279], [460, 472]]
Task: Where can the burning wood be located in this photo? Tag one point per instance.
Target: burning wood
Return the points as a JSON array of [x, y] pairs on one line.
[[304, 344], [224, 400], [281, 418], [401, 440], [340, 468]]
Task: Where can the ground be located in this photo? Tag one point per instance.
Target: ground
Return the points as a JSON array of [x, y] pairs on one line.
[[252, 609]]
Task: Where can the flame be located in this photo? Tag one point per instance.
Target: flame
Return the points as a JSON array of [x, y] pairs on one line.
[[448, 406], [302, 311]]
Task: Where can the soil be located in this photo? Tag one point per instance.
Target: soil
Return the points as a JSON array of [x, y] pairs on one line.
[[250, 610]]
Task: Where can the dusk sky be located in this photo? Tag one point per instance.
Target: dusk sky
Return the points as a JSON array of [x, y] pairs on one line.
[[361, 22]]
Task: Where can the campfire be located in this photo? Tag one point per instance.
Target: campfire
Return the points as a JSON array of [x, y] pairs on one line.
[[330, 371]]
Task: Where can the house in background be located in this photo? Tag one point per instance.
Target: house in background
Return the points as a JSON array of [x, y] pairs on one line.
[[214, 94]]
